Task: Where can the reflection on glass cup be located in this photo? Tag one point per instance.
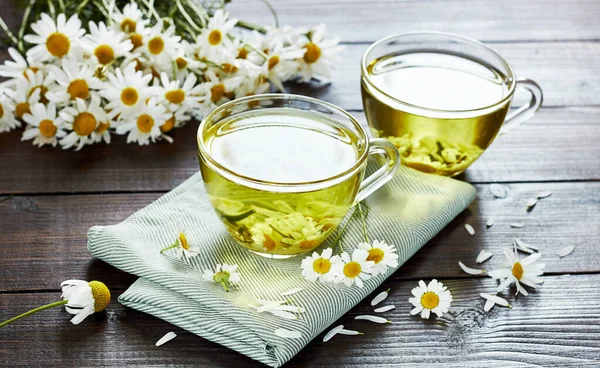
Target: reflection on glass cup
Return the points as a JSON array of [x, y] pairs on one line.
[[282, 170], [441, 99]]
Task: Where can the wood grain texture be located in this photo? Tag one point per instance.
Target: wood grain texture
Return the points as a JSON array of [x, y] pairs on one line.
[[48, 234], [554, 327], [356, 20], [557, 144]]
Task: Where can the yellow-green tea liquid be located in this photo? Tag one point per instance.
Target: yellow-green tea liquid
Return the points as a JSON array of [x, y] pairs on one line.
[[435, 141], [269, 217]]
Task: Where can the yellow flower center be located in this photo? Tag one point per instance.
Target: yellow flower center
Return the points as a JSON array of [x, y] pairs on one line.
[[217, 92], [269, 243], [517, 270], [229, 68], [430, 300], [105, 54], [308, 244], [129, 96], [1, 111], [181, 63], [145, 123], [322, 266], [313, 53], [183, 241], [102, 127], [352, 269], [101, 295], [242, 53], [47, 128], [78, 89], [273, 60], [128, 25], [156, 45], [22, 109], [32, 68], [136, 40], [376, 255], [176, 96], [43, 90], [215, 37], [58, 44], [84, 124], [168, 125]]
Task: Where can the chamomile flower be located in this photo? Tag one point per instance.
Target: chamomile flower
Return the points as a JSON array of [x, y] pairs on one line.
[[185, 63], [177, 120], [7, 113], [130, 18], [321, 267], [382, 254], [434, 297], [355, 270], [102, 132], [23, 96], [54, 40], [320, 56], [160, 46], [144, 126], [286, 34], [84, 298], [45, 127], [126, 90], [18, 67], [180, 96], [281, 64], [218, 91], [82, 120], [223, 274], [74, 80], [213, 42], [184, 247], [521, 272], [106, 44], [39, 81]]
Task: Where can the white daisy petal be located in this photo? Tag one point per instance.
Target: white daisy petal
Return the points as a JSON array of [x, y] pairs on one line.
[[291, 291], [498, 190], [349, 332], [470, 229], [380, 297], [168, 337], [565, 251], [490, 221], [544, 194], [483, 256], [385, 308], [283, 314], [288, 334], [517, 225], [334, 331], [469, 270], [370, 318]]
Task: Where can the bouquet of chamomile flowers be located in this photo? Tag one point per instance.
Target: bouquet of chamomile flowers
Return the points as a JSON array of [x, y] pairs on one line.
[[139, 73]]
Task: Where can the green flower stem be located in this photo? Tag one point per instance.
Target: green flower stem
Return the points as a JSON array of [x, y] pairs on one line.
[[364, 224], [24, 24], [8, 32], [47, 306], [251, 26], [224, 284], [272, 10], [174, 245]]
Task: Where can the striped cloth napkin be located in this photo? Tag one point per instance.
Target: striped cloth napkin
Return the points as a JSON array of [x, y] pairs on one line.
[[407, 212]]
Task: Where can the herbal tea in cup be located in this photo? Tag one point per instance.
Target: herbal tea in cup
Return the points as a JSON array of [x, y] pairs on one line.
[[282, 171], [440, 99]]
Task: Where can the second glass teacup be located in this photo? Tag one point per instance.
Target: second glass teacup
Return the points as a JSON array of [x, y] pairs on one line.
[[282, 170]]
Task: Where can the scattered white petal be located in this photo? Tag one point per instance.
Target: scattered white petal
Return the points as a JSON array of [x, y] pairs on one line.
[[291, 291], [267, 305], [469, 270], [544, 194], [470, 229], [517, 224], [524, 247], [290, 308], [498, 190], [349, 332], [380, 297], [370, 318], [492, 300], [483, 256], [288, 334], [385, 308], [531, 202], [283, 314], [334, 331], [565, 251], [490, 221], [168, 337]]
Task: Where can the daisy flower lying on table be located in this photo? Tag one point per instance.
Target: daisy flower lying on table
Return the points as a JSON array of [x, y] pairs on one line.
[[126, 73]]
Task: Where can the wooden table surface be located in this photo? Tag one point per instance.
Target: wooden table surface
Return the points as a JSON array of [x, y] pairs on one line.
[[58, 195]]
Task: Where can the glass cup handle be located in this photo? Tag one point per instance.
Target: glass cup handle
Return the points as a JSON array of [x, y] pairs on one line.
[[525, 112], [385, 173]]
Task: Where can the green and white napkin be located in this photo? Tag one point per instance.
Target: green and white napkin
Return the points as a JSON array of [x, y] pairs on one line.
[[407, 212]]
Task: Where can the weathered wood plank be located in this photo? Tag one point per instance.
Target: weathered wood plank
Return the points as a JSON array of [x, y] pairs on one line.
[[554, 326], [44, 238], [355, 20], [557, 144]]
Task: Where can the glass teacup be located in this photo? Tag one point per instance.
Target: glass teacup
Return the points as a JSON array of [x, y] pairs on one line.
[[441, 99], [282, 171]]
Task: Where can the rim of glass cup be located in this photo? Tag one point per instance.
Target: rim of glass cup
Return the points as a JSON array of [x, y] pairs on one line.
[[365, 75], [284, 96]]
